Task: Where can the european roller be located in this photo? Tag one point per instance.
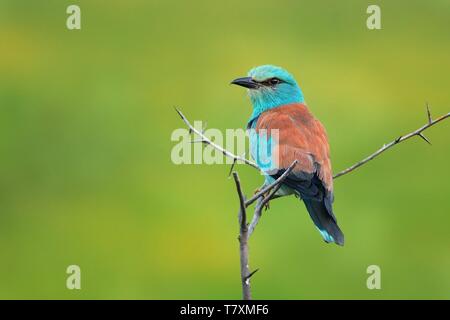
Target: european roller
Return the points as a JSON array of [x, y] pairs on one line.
[[279, 108]]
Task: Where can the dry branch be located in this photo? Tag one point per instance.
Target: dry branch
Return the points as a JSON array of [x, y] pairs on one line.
[[264, 196], [245, 230], [418, 132], [266, 193], [243, 241], [204, 139]]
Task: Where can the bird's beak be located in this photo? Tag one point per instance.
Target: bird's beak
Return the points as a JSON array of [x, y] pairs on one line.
[[246, 82]]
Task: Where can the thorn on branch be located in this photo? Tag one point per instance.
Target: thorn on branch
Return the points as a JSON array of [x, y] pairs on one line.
[[417, 132], [430, 119], [232, 167], [424, 138], [179, 113], [251, 274], [197, 141]]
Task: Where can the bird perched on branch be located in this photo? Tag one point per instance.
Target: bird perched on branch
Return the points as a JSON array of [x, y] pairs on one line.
[[283, 130]]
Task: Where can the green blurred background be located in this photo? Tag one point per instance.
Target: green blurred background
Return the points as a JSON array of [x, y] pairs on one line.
[[85, 171]]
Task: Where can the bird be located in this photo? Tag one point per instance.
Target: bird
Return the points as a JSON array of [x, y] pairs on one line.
[[282, 130]]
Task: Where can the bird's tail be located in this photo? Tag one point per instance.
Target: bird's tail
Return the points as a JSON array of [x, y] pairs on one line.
[[324, 220]]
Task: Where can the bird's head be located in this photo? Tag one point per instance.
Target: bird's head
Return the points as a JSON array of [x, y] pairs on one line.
[[269, 87]]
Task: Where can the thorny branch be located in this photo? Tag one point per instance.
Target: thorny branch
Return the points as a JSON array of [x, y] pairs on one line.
[[204, 139], [245, 230], [264, 196], [418, 132], [266, 193], [243, 241]]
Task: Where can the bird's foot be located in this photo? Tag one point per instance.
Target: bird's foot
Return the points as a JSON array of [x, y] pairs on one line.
[[267, 205]]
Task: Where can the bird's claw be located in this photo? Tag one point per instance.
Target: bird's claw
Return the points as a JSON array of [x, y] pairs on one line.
[[267, 205]]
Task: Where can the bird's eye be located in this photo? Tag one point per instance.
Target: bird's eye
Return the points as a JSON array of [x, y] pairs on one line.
[[274, 81]]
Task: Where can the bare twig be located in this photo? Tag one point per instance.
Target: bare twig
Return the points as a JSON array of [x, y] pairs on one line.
[[245, 231], [243, 241], [263, 199], [265, 194], [208, 141], [256, 216], [197, 141], [267, 188], [234, 163], [385, 147], [418, 132]]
